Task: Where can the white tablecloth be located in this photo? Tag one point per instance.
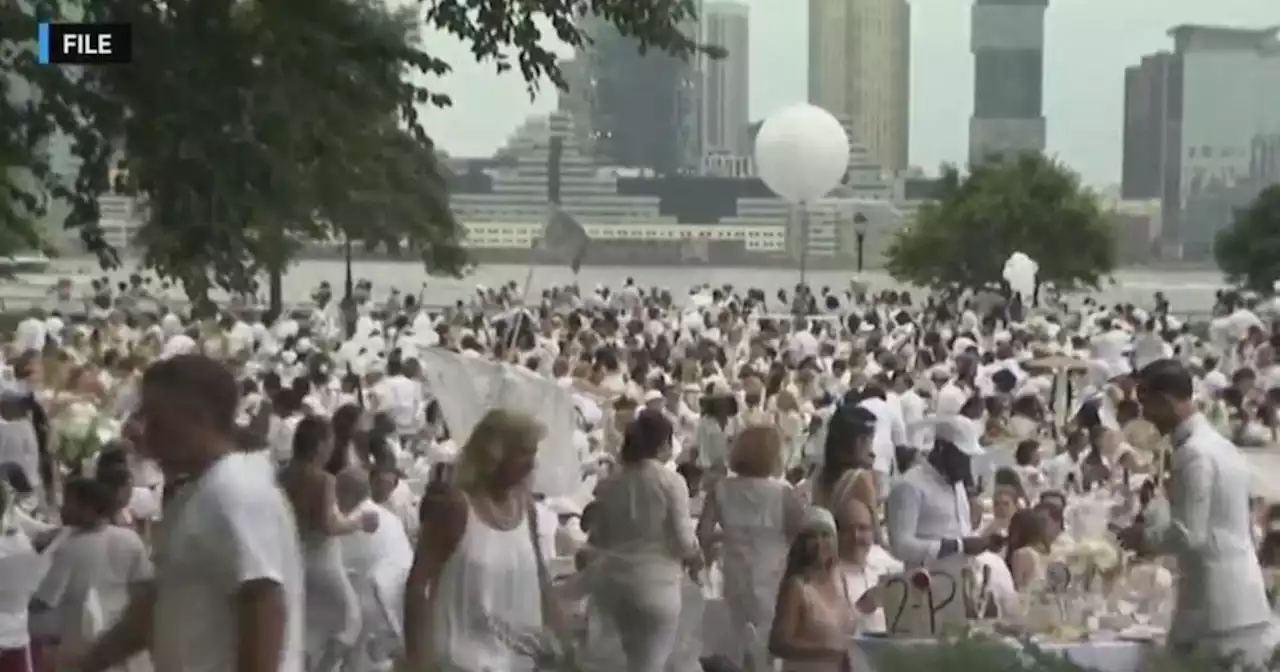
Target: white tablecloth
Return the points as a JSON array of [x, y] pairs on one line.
[[718, 637], [1100, 656]]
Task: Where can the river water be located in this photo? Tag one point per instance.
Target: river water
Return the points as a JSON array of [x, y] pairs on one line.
[[1190, 291]]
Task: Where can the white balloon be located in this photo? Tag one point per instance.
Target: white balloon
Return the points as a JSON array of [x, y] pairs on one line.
[[1020, 272], [801, 153]]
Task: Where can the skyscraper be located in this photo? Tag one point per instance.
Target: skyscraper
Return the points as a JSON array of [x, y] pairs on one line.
[[1202, 124], [1007, 38], [860, 70], [643, 108], [725, 87], [1147, 120]]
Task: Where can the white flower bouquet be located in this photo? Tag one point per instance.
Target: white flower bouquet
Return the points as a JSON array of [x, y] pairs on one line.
[[1100, 554], [81, 431]]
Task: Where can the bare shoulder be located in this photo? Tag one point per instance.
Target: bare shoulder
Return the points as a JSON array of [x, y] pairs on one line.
[[443, 506]]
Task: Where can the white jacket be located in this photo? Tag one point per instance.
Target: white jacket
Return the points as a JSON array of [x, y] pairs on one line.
[[1206, 525]]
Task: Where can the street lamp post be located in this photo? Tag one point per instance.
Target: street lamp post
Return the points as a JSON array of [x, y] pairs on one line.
[[860, 236], [802, 153], [804, 242]]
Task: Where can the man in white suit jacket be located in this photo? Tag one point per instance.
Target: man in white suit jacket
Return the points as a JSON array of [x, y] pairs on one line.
[[1221, 607]]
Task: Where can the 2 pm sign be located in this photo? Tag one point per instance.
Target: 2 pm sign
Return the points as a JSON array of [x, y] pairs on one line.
[[85, 43]]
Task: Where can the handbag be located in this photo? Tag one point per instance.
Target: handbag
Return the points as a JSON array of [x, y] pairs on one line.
[[569, 655]]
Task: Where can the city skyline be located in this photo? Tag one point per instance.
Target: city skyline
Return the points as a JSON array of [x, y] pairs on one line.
[[1083, 88]]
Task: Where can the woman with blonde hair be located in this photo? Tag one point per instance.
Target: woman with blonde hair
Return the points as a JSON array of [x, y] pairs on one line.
[[758, 514], [476, 588]]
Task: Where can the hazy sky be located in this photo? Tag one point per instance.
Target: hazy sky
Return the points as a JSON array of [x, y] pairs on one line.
[[1088, 45]]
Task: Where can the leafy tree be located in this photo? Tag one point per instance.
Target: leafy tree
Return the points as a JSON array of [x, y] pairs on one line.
[[1248, 251], [26, 128], [249, 128], [1032, 205]]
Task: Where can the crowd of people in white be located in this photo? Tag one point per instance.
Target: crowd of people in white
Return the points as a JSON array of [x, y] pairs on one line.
[[291, 496]]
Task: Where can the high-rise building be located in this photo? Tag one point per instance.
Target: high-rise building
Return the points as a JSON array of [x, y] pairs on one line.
[[725, 87], [1007, 38], [1203, 122], [1147, 121], [860, 70], [641, 110]]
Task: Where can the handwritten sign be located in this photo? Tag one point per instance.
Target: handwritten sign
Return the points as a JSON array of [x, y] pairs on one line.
[[924, 603]]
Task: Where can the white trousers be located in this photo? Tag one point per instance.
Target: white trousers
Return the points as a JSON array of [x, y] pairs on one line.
[[646, 620]]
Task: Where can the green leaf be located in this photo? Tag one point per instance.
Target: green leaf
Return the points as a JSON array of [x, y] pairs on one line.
[[1031, 204], [248, 129], [1248, 251]]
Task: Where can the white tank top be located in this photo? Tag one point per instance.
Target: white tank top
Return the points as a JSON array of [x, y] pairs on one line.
[[487, 595]]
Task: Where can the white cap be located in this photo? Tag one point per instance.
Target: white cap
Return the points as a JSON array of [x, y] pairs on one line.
[[652, 395], [961, 431]]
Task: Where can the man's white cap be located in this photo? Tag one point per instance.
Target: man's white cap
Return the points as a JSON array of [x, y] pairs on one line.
[[961, 431]]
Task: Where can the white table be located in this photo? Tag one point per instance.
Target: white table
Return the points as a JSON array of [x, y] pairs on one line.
[[1102, 656]]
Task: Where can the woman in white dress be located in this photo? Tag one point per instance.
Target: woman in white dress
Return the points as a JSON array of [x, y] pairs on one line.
[[476, 595], [333, 608], [643, 539], [758, 514]]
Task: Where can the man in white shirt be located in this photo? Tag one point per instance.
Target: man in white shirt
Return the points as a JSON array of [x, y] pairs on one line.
[[801, 344], [889, 434], [958, 390], [1222, 607], [400, 396], [1060, 468], [228, 588], [31, 333], [927, 513]]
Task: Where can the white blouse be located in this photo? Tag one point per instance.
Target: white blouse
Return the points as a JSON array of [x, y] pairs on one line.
[[714, 441]]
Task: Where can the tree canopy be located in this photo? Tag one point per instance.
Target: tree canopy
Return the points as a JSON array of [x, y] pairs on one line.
[[1031, 204], [1248, 251], [248, 128]]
